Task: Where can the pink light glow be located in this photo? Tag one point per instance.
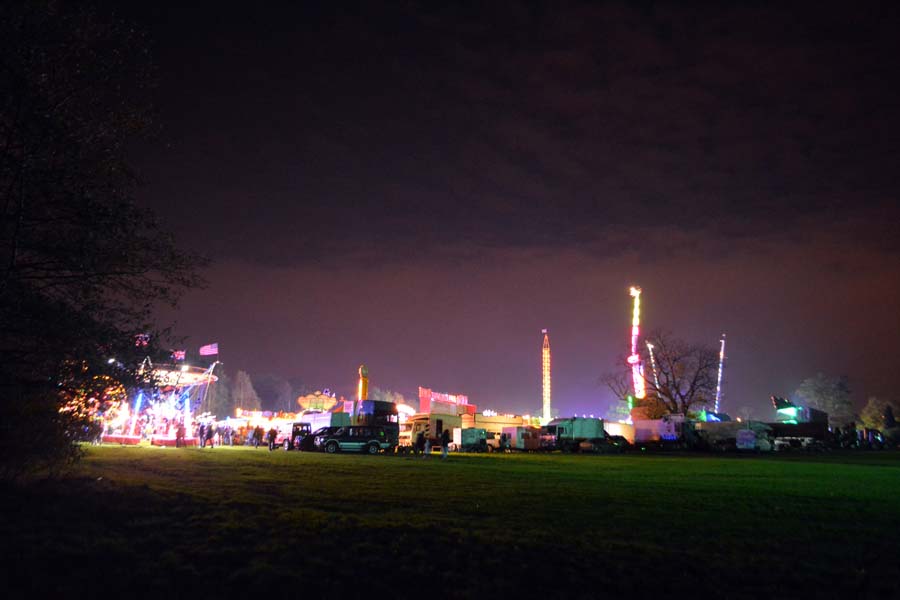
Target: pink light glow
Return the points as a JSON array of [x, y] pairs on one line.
[[637, 369]]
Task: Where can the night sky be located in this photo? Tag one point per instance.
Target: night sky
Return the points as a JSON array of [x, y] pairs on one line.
[[422, 190]]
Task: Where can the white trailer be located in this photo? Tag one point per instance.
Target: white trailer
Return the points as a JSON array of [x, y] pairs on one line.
[[523, 438], [667, 429], [626, 430]]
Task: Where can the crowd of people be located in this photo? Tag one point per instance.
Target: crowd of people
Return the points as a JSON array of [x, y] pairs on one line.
[[210, 434], [207, 434]]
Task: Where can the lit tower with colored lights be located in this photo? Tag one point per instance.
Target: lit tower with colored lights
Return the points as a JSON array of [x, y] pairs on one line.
[[362, 390], [362, 393], [545, 377], [719, 376], [637, 368]]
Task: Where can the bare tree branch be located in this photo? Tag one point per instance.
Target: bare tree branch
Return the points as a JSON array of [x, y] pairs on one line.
[[686, 373]]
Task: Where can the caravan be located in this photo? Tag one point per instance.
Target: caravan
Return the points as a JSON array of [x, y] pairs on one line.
[[430, 425]]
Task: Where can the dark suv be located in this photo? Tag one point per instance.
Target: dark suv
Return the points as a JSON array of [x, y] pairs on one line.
[[299, 433], [371, 439], [308, 443]]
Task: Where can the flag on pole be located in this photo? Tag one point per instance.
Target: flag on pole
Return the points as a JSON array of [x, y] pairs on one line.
[[178, 354], [209, 349]]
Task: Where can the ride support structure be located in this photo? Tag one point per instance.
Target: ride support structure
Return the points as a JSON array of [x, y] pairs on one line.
[[719, 376], [634, 359], [545, 378]]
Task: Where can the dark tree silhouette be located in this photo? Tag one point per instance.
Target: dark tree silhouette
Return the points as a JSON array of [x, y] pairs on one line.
[[686, 373], [81, 265], [619, 382], [243, 395], [829, 394], [878, 413]]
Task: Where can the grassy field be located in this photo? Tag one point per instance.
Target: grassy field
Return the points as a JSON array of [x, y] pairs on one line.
[[241, 521]]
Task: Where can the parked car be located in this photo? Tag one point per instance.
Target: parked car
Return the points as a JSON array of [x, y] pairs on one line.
[[308, 443], [616, 443], [371, 439], [299, 432]]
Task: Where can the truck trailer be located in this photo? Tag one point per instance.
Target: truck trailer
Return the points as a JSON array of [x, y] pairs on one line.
[[569, 434], [470, 439]]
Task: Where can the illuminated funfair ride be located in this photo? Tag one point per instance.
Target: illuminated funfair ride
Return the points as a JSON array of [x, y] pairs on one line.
[[545, 378], [653, 365], [634, 359], [158, 410], [362, 388], [719, 376]]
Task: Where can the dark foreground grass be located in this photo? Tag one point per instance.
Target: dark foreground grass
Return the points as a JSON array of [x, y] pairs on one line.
[[242, 522]]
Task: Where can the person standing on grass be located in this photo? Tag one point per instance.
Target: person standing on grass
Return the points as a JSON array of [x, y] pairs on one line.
[[445, 443], [271, 438], [179, 435], [201, 433], [419, 445], [427, 447], [210, 433]]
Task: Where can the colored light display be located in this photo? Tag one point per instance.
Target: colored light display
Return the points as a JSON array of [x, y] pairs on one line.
[[362, 392], [164, 402], [427, 397], [788, 415], [138, 401], [318, 400], [404, 412], [653, 366], [545, 377], [637, 368], [719, 376]]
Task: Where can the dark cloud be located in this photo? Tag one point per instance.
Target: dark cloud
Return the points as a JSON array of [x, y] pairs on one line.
[[403, 129], [462, 122]]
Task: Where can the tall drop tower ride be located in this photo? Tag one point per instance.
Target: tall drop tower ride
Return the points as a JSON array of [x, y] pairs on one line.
[[545, 377], [637, 368]]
